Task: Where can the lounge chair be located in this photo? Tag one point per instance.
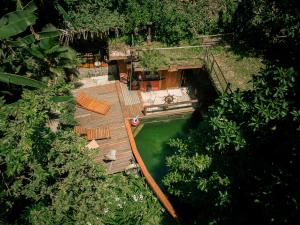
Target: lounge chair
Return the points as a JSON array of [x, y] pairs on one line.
[[98, 133], [93, 133], [92, 104], [80, 130]]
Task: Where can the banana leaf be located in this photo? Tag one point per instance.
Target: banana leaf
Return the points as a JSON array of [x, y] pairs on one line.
[[20, 80], [16, 22], [48, 32], [29, 39], [64, 98], [30, 7]]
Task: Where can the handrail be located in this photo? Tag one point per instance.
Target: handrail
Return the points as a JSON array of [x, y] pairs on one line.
[[160, 195], [169, 48], [215, 35], [211, 62]]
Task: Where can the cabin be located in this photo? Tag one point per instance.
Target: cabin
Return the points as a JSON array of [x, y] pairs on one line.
[[177, 82], [174, 74]]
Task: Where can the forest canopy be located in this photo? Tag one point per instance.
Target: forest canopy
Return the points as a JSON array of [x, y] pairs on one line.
[[240, 166]]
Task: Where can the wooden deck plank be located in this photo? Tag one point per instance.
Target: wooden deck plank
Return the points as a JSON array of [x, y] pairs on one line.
[[114, 119]]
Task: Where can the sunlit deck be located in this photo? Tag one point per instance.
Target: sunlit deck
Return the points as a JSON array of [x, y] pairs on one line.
[[119, 141], [125, 104]]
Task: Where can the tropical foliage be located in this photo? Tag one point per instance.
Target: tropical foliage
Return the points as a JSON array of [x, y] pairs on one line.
[[48, 178], [90, 17], [240, 165], [275, 25], [170, 21], [243, 158], [47, 175], [36, 56]]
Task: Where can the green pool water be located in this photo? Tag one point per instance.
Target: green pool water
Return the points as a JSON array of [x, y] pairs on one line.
[[152, 142]]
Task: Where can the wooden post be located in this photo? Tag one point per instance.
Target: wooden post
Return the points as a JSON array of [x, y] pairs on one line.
[[131, 71], [227, 87], [212, 65]]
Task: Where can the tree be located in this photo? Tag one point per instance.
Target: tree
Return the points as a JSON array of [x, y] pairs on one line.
[[240, 165], [28, 60], [13, 24], [49, 178], [89, 18], [276, 26]]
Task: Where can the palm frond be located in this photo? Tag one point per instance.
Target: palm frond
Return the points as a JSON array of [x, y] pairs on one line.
[[64, 98], [16, 22], [20, 80]]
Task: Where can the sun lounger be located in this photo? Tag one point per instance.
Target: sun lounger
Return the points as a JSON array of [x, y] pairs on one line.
[[98, 133], [80, 130], [93, 133], [92, 104]]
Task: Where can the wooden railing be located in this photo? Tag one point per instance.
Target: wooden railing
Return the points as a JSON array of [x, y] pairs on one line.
[[215, 72], [164, 107], [216, 39], [160, 195]]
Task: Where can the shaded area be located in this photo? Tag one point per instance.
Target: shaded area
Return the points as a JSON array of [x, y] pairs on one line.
[[200, 86], [152, 142]]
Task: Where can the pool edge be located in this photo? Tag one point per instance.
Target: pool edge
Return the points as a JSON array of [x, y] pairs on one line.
[[161, 196]]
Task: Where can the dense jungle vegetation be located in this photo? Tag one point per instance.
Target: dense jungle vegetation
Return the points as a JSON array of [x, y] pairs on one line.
[[239, 167]]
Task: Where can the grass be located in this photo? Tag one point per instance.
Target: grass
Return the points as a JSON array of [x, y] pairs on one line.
[[238, 68], [173, 56]]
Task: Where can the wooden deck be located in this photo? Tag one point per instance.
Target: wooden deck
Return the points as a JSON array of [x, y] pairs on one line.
[[130, 110], [114, 119]]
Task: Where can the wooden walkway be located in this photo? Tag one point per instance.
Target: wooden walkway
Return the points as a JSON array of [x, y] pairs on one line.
[[119, 140], [161, 196], [122, 139], [131, 108]]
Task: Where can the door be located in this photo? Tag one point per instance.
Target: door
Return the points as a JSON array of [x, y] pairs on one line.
[[171, 79]]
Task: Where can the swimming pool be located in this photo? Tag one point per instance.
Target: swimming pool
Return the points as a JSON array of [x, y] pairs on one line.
[[152, 141]]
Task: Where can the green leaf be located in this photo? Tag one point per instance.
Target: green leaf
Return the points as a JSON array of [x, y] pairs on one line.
[[30, 39], [30, 7], [20, 80], [58, 99], [36, 52], [16, 22], [63, 12]]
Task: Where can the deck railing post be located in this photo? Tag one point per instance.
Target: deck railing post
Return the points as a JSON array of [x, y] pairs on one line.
[[212, 66], [228, 87]]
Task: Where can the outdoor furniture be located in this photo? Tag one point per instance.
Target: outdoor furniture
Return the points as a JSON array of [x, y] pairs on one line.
[[92, 145], [93, 133], [92, 104], [111, 155], [98, 133], [80, 130]]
